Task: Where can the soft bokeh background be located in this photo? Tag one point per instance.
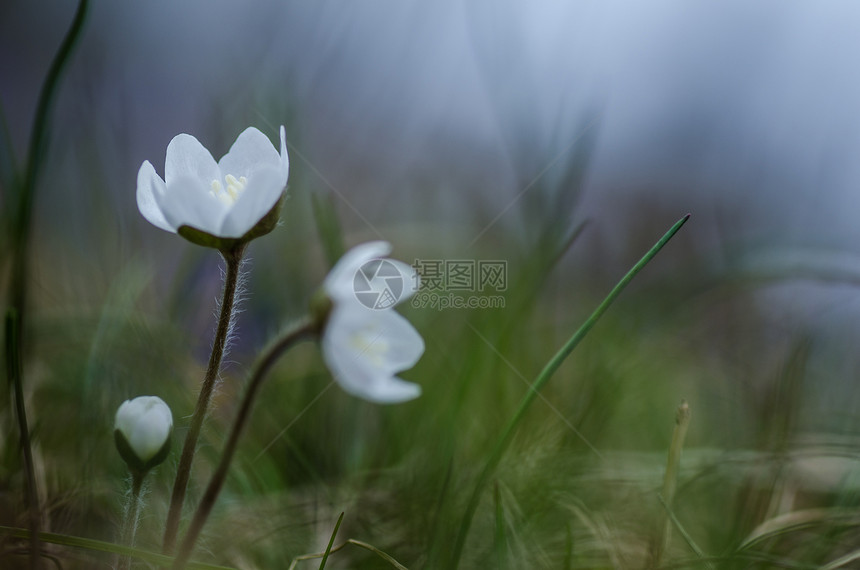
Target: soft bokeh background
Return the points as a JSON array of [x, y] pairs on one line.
[[461, 130]]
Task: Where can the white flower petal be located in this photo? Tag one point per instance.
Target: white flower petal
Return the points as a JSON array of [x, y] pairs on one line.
[[389, 390], [411, 279], [149, 434], [405, 345], [393, 391], [150, 184], [365, 347], [225, 201], [285, 160], [187, 158], [125, 417], [339, 283], [357, 378], [261, 193], [251, 151], [188, 201]]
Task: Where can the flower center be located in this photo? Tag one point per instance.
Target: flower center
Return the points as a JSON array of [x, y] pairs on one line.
[[370, 345], [229, 195]]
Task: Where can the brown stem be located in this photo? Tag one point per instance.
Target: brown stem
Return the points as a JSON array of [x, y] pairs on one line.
[[301, 332], [233, 260]]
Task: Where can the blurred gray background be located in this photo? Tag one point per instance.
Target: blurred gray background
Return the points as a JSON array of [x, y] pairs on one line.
[[745, 113]]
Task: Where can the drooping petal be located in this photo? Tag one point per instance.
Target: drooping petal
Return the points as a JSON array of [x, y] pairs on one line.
[[357, 378], [363, 384], [187, 158], [405, 345], [252, 150], [150, 184], [339, 283], [261, 193], [393, 391], [361, 348], [188, 202]]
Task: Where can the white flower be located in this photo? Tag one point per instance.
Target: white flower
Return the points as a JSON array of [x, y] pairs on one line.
[[365, 347], [142, 431], [227, 199]]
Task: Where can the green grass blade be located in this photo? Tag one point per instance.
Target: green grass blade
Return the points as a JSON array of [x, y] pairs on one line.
[[842, 561], [394, 563], [683, 532], [501, 539], [331, 541], [18, 243], [550, 369], [101, 546]]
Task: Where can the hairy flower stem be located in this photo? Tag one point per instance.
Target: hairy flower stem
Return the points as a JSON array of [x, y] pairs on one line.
[[129, 527], [233, 259], [304, 330]]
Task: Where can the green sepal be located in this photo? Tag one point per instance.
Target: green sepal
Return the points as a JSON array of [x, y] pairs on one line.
[[266, 224], [134, 462]]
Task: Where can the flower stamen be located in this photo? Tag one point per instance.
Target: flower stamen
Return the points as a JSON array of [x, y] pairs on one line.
[[370, 346], [235, 187]]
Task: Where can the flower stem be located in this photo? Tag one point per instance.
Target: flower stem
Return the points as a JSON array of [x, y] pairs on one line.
[[543, 377], [129, 527], [233, 259], [302, 331]]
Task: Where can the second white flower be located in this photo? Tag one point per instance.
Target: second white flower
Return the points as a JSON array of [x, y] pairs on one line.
[[365, 347]]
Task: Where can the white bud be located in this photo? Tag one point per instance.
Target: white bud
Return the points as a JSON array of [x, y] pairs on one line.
[[142, 431]]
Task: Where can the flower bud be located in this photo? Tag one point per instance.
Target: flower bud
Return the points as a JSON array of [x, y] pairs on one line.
[[142, 432]]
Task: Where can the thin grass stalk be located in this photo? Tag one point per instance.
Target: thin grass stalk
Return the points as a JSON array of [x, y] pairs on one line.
[[15, 315], [670, 483]]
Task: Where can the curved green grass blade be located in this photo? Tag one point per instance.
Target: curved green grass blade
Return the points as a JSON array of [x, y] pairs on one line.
[[545, 374], [18, 243], [394, 563]]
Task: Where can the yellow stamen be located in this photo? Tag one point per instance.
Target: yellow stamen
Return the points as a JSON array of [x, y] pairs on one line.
[[235, 187], [370, 346]]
